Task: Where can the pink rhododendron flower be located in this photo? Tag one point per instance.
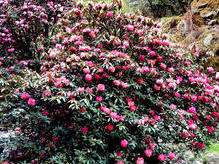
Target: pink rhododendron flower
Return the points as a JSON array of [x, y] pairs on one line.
[[133, 108], [152, 53], [200, 145], [152, 146], [162, 65], [17, 130], [180, 160], [217, 75], [46, 93], [101, 87], [159, 81], [210, 69], [148, 152], [81, 89], [31, 102], [130, 27], [117, 82], [25, 96], [196, 53], [109, 127], [86, 70], [193, 98], [112, 69], [159, 58], [157, 88], [171, 155], [145, 69], [130, 102], [210, 129], [119, 154], [84, 129], [166, 43], [192, 126], [88, 77], [6, 163], [190, 121], [82, 109], [192, 110], [159, 25], [11, 50], [177, 94], [109, 14], [162, 157], [124, 85], [99, 98], [92, 34], [97, 77], [124, 143], [120, 162], [141, 122], [171, 69], [140, 160], [172, 85], [117, 42], [42, 155], [142, 57], [192, 135], [157, 118], [45, 113], [173, 107], [126, 43], [89, 90], [185, 134], [108, 111]]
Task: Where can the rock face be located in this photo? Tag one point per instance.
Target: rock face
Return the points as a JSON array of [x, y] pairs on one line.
[[199, 24], [212, 158], [159, 8], [208, 39]]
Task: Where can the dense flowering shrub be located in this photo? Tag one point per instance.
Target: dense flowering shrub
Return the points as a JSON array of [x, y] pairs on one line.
[[111, 89], [27, 26]]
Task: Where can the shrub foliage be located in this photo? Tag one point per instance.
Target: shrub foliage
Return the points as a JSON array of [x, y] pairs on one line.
[[108, 87]]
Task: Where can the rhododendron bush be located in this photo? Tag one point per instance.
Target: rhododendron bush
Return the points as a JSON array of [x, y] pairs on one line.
[[110, 89]]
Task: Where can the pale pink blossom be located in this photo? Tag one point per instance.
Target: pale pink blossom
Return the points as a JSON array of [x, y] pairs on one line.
[[159, 81], [117, 82], [140, 160], [173, 107], [81, 89], [192, 126], [130, 27], [101, 87], [124, 85], [86, 70], [31, 102], [210, 69]]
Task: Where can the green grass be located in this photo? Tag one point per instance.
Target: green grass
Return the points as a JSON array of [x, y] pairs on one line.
[[214, 148]]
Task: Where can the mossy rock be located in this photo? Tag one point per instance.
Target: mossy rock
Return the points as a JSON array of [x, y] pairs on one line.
[[198, 4], [170, 23]]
